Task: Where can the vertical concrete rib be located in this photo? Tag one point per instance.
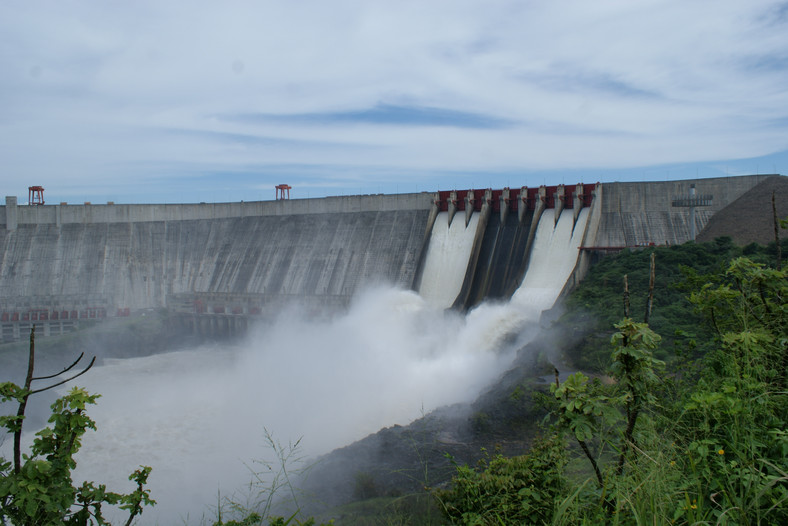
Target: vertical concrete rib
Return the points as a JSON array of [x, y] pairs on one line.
[[558, 201], [10, 213], [578, 201], [452, 205], [434, 210], [470, 203], [481, 227], [517, 276], [522, 203], [588, 239], [504, 204]]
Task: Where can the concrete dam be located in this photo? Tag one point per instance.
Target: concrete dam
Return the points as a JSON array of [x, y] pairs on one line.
[[229, 262]]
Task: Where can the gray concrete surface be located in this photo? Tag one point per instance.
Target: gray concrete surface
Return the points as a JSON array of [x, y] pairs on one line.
[[137, 256], [641, 213], [137, 264], [13, 214]]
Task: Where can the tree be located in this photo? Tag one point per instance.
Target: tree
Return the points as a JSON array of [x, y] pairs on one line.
[[36, 488]]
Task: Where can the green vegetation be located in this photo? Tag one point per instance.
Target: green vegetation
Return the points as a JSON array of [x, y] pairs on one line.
[[270, 479], [596, 305], [690, 429], [36, 489], [509, 490], [700, 439], [418, 509]]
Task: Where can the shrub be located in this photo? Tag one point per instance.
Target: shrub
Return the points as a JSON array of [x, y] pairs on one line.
[[706, 444], [516, 490], [36, 489]]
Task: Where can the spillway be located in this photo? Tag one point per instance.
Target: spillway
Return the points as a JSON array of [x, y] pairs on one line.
[[552, 259], [447, 259], [550, 262]]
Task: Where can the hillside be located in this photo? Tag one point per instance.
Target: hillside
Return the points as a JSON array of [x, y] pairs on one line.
[[397, 463]]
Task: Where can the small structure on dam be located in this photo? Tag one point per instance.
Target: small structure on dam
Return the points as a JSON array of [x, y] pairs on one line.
[[283, 191], [692, 201], [220, 265], [35, 195]]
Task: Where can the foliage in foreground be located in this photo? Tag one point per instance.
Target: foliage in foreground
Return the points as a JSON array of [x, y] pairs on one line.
[[36, 489], [704, 444], [509, 490]]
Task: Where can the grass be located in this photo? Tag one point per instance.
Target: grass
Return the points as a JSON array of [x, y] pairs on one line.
[[413, 510]]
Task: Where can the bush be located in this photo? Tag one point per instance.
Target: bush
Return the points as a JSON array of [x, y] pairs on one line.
[[705, 443], [36, 489], [516, 490]]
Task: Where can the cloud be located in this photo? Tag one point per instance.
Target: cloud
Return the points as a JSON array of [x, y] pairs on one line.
[[103, 95], [387, 114]]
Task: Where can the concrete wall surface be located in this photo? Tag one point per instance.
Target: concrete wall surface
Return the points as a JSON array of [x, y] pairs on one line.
[[136, 256], [137, 264], [642, 213], [119, 213]]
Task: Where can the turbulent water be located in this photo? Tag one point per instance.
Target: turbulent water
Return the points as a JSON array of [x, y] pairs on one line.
[[198, 417]]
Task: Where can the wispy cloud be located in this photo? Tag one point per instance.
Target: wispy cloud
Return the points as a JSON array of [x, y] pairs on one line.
[[387, 114], [566, 78], [109, 96], [250, 139], [767, 63]]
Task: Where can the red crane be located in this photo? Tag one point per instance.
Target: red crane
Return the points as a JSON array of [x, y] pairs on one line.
[[35, 195], [281, 189]]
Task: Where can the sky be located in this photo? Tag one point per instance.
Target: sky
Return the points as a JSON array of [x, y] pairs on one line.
[[176, 101]]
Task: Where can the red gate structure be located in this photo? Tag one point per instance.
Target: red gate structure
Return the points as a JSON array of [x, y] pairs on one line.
[[35, 195]]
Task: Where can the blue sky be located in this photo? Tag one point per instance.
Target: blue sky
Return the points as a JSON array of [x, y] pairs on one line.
[[177, 101]]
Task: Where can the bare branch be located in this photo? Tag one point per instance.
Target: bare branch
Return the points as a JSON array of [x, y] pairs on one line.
[[591, 458], [626, 297], [86, 369], [20, 413], [67, 369], [777, 232], [651, 279]]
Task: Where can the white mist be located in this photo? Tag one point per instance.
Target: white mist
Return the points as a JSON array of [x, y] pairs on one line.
[[198, 416]]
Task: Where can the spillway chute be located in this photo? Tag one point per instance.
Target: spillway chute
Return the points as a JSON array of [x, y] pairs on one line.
[[446, 262], [553, 259]]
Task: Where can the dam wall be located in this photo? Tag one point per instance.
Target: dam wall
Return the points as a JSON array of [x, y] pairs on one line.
[[635, 214], [77, 262], [12, 214], [326, 248]]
